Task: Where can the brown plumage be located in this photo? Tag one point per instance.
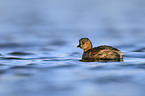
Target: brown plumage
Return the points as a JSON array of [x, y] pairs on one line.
[[99, 53]]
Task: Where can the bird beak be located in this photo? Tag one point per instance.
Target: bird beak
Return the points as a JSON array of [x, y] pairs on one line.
[[79, 45]]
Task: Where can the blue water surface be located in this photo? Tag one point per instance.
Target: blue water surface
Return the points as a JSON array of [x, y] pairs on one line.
[[39, 54]]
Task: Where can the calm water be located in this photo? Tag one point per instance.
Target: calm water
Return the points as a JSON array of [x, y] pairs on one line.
[[39, 54], [50, 65]]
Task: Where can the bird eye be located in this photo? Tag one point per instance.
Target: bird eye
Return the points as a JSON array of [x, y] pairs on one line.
[[83, 43]]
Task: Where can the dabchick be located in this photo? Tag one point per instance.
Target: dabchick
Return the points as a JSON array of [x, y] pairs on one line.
[[99, 53]]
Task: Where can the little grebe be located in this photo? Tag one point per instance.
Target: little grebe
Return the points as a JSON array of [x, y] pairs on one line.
[[99, 53]]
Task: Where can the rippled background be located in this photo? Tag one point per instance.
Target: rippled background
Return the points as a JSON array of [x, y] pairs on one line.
[[39, 57]]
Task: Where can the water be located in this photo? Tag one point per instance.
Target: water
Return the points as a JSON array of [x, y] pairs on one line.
[[39, 54], [52, 66]]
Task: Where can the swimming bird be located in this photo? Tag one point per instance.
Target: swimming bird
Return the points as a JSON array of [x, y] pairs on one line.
[[100, 53]]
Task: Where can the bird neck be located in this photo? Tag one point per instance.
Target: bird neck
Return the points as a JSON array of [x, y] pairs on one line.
[[88, 48]]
